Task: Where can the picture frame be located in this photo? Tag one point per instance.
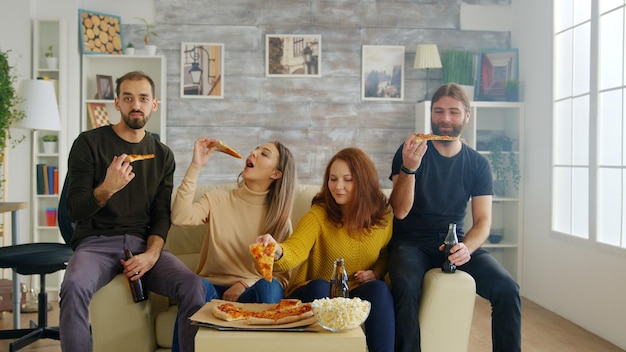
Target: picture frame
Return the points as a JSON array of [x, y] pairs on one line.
[[497, 69], [293, 55], [105, 87], [202, 70], [100, 33], [98, 114], [382, 73]]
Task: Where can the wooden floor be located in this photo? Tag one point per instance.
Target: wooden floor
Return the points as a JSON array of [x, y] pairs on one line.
[[542, 331]]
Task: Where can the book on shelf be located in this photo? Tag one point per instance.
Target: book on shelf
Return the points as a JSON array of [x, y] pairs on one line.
[[40, 187], [51, 179], [47, 179]]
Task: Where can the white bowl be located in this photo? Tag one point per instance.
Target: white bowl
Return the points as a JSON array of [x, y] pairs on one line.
[[340, 314]]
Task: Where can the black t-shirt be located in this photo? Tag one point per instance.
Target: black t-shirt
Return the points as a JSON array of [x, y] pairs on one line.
[[443, 187], [141, 208]]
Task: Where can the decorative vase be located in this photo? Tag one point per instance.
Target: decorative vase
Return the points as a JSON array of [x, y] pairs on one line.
[[130, 51], [53, 62], [150, 50], [50, 147]]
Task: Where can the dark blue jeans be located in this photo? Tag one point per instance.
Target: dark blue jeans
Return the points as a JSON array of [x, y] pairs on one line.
[[379, 325], [261, 292], [408, 262]]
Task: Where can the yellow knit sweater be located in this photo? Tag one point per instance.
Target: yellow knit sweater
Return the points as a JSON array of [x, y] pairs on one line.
[[317, 242], [234, 218]]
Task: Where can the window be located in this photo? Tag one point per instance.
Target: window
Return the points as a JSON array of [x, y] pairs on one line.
[[589, 144]]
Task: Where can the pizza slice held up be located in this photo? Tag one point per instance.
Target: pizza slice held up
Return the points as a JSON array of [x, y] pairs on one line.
[[222, 147], [264, 258], [136, 157], [420, 137]]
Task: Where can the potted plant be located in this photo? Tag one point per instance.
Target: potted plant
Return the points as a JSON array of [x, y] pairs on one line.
[[503, 164], [9, 106], [50, 143], [458, 67], [148, 31], [130, 49], [511, 89], [51, 60]]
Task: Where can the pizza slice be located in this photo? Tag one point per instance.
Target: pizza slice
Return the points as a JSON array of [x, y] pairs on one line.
[[286, 304], [264, 258], [230, 312], [136, 157], [222, 147], [420, 137], [285, 316]]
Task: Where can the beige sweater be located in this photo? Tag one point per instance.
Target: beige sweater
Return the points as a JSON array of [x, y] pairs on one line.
[[234, 218]]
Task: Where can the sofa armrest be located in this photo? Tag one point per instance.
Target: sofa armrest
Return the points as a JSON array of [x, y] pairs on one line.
[[120, 324]]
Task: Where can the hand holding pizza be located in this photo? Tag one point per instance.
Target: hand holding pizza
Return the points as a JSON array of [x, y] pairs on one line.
[[202, 149], [412, 152]]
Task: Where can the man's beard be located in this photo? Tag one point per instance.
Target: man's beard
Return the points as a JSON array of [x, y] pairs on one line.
[[135, 123], [456, 130]]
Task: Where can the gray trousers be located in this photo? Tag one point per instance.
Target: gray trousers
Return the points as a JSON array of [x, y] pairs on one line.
[[96, 261]]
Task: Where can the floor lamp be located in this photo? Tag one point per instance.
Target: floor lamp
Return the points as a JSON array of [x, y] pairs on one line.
[[41, 112], [426, 57]]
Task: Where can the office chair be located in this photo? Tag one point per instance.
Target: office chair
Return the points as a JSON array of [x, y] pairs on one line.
[[38, 259]]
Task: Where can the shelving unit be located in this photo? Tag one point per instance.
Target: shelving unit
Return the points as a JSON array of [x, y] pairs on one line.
[[46, 32], [116, 66], [491, 119]]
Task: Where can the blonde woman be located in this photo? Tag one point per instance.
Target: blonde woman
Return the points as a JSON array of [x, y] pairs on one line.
[[261, 203]]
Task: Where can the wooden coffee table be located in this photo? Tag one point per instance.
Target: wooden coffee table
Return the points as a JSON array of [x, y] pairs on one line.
[[208, 339]]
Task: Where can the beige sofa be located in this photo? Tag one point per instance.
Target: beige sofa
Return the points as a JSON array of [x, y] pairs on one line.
[[118, 324]]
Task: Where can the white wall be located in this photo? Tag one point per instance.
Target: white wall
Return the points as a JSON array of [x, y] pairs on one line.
[[580, 281]]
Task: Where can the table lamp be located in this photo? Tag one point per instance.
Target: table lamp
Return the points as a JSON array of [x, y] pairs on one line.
[[427, 57], [39, 103]]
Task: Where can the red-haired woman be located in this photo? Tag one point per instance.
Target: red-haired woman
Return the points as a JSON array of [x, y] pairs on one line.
[[349, 218]]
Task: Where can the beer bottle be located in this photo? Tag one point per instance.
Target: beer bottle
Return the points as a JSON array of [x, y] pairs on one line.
[[339, 280], [450, 241], [136, 287]]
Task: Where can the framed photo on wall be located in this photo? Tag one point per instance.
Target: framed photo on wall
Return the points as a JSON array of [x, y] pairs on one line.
[[497, 71], [202, 70], [100, 33], [293, 55], [382, 76], [105, 87]]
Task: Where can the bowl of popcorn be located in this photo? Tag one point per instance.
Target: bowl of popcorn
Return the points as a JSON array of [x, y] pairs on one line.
[[340, 314]]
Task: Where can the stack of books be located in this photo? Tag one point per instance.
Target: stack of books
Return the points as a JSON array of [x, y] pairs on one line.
[[47, 179]]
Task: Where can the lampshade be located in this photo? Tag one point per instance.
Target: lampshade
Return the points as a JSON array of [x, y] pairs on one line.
[[39, 104], [427, 56]]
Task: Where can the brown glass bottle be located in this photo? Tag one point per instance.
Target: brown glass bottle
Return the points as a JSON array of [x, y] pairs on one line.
[[136, 287], [450, 241], [339, 280]]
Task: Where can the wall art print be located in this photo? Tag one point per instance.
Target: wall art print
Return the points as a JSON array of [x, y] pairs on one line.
[[498, 70], [202, 70], [293, 55], [100, 33], [382, 76]]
